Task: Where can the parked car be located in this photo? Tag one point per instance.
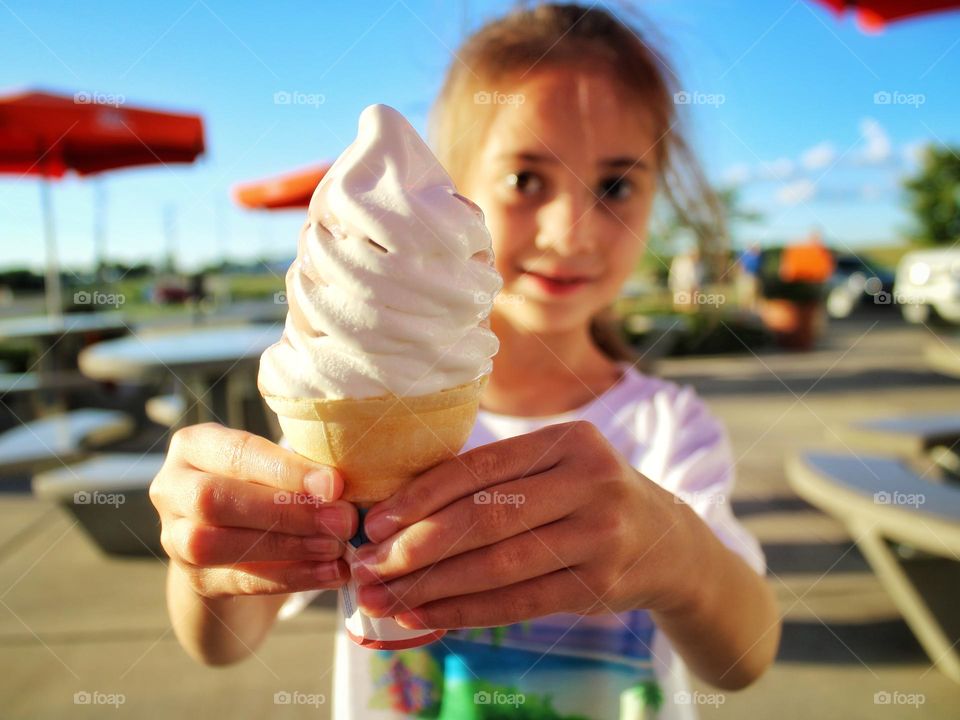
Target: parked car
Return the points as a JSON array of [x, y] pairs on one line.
[[856, 280], [928, 285]]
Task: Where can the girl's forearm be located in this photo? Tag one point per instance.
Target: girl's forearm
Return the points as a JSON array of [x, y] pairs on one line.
[[218, 631], [726, 625]]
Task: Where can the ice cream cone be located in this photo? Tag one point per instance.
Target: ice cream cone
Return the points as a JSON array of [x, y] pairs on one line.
[[394, 271], [379, 444]]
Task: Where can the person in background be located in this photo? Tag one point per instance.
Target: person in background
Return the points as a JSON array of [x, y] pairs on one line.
[[748, 277], [686, 279], [809, 261]]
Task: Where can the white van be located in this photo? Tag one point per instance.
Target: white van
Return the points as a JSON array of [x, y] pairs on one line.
[[928, 282]]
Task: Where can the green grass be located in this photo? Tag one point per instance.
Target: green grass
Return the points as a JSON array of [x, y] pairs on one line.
[[137, 306], [887, 256]]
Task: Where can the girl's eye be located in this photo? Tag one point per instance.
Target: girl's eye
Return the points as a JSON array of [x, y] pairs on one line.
[[615, 188], [525, 182]]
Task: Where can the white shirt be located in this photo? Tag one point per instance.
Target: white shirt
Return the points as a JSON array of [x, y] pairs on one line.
[[589, 666]]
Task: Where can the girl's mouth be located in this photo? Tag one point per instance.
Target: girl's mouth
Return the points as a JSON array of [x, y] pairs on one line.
[[556, 285]]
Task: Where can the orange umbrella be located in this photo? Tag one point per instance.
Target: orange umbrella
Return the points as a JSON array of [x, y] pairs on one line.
[[290, 190], [872, 15], [47, 135]]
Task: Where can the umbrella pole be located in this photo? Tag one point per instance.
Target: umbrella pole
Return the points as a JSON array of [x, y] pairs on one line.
[[99, 231], [52, 288]]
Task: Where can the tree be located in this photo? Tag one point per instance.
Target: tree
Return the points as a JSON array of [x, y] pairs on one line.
[[667, 226], [933, 195], [731, 204]]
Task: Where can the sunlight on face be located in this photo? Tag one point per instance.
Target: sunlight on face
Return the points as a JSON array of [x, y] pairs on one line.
[[566, 180]]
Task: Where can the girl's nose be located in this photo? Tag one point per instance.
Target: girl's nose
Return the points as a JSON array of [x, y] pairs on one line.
[[563, 224]]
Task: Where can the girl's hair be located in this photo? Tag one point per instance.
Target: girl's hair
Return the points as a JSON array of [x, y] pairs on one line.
[[552, 35]]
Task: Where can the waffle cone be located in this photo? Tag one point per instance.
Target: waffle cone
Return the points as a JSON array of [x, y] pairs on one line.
[[379, 444]]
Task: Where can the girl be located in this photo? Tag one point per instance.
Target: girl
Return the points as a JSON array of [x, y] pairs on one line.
[[585, 536]]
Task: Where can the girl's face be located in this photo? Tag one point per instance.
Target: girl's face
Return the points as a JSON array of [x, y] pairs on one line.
[[566, 179]]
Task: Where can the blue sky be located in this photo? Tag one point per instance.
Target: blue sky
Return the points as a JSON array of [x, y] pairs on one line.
[[785, 104]]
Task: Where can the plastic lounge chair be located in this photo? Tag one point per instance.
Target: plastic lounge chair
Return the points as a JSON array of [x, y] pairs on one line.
[[108, 495], [166, 410], [59, 439], [879, 499]]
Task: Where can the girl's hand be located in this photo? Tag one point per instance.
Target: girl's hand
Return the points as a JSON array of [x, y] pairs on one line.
[[243, 516], [553, 521]]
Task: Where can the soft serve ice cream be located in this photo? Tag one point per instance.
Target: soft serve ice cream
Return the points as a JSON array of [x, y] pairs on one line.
[[387, 341], [393, 280]]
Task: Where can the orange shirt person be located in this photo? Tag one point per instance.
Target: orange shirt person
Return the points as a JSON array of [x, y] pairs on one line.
[[809, 262]]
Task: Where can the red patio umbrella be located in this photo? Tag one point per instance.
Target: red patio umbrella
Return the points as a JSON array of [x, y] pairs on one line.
[[47, 135], [872, 15], [290, 190]]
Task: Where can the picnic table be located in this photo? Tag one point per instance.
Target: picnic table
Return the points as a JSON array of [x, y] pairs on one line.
[[909, 435], [56, 341], [213, 368]]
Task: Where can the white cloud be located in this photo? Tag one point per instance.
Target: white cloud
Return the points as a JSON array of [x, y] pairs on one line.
[[819, 156], [877, 148], [779, 169], [737, 174], [872, 192], [796, 192]]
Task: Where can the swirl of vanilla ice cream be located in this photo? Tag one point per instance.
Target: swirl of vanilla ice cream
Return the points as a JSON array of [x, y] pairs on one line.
[[393, 282]]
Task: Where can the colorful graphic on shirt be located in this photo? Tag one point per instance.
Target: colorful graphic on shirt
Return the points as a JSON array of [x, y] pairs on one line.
[[562, 667], [407, 681]]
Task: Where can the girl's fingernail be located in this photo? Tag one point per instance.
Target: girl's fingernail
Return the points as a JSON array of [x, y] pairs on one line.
[[325, 572], [374, 597], [380, 526], [361, 567], [319, 482], [332, 520], [366, 553], [321, 544], [409, 621]]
